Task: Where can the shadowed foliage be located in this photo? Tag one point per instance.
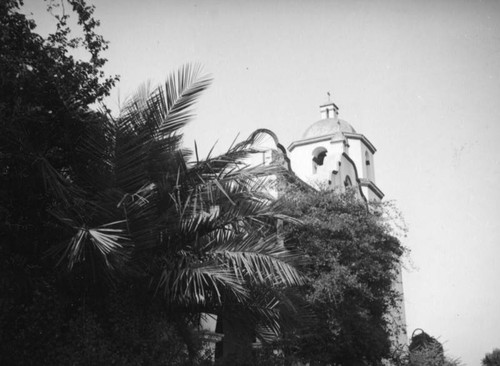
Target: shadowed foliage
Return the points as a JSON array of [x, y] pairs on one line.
[[353, 261], [107, 223], [492, 358]]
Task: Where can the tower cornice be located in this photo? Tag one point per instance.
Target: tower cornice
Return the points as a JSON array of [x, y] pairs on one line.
[[330, 137], [372, 186]]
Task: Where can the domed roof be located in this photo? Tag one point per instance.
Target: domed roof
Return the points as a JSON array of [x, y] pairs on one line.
[[327, 126]]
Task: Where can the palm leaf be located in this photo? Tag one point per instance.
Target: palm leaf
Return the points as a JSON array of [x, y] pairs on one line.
[[107, 243], [147, 129], [56, 183], [264, 261], [200, 284]]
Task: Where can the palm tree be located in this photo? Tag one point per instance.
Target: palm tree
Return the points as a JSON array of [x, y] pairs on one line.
[[204, 231], [201, 234], [98, 203]]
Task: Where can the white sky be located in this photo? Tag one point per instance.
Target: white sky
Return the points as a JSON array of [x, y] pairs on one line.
[[420, 79]]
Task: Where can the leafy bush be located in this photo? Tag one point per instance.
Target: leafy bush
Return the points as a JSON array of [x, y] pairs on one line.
[[492, 358]]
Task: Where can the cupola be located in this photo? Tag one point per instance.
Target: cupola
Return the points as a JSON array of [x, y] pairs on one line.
[[329, 110]]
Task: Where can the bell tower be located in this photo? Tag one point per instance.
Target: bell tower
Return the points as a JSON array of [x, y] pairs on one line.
[[332, 155]]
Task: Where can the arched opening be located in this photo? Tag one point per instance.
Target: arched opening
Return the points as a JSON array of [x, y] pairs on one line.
[[347, 182], [318, 159], [367, 158]]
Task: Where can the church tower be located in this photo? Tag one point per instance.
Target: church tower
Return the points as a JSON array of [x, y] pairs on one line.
[[332, 155]]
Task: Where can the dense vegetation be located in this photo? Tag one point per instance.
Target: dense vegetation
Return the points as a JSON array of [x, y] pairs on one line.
[[116, 239], [492, 358], [112, 243], [353, 262]]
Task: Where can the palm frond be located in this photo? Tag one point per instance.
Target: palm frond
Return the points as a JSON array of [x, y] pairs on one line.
[[55, 182], [180, 93], [107, 243], [199, 284], [94, 148], [264, 261], [148, 129], [213, 207]]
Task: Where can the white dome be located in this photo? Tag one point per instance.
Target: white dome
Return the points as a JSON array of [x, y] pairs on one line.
[[327, 126]]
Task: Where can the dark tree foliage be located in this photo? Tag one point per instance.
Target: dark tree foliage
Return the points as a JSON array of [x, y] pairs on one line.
[[45, 95], [353, 260], [112, 243], [492, 358], [44, 113]]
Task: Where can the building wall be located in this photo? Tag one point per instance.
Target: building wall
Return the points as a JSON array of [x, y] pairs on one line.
[[301, 160], [360, 154]]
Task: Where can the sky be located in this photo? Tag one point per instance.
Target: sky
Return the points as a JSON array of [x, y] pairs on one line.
[[420, 79]]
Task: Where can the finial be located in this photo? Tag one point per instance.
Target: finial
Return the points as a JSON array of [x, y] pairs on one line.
[[328, 93]]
